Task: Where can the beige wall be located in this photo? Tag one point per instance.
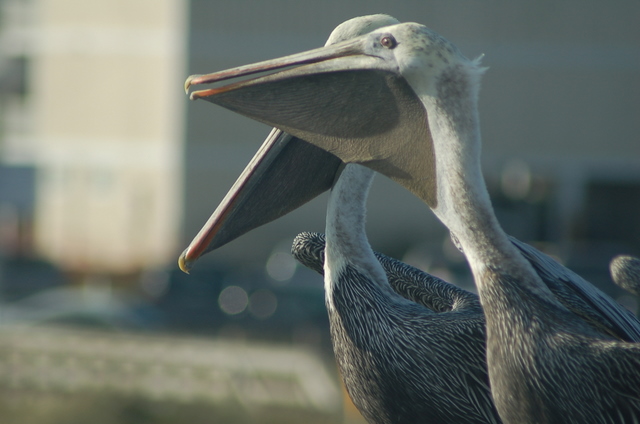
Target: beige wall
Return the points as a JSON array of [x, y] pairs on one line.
[[108, 119]]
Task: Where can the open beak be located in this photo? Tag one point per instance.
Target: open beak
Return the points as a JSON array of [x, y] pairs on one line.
[[346, 105], [284, 174]]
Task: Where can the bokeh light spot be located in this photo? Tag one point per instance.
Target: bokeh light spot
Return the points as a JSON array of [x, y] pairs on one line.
[[281, 266], [233, 300]]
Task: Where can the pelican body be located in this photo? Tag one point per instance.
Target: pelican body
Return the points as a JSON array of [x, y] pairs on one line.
[[407, 108], [412, 359]]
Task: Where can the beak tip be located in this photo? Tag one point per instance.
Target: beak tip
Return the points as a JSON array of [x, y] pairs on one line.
[[188, 82], [185, 264]]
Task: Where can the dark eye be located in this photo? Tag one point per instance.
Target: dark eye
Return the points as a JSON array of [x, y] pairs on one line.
[[388, 41]]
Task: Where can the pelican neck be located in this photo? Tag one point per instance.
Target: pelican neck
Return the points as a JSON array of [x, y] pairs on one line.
[[463, 203], [347, 242]]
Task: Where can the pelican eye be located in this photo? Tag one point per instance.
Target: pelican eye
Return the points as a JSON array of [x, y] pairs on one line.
[[388, 41]]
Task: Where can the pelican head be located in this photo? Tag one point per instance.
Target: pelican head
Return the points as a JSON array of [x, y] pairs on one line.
[[363, 100]]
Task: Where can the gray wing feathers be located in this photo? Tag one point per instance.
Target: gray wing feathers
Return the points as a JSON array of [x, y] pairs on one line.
[[409, 282], [581, 297]]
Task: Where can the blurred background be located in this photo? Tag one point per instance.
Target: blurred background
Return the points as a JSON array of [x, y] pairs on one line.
[[107, 171]]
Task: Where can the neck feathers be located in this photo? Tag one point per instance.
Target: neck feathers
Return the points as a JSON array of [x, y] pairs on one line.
[[463, 201], [347, 242]]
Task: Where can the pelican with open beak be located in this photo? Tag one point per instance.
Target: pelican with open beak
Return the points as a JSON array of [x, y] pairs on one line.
[[400, 100], [346, 95]]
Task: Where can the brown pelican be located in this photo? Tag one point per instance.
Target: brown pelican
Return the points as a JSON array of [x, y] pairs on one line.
[[625, 272], [417, 358], [402, 100], [410, 347]]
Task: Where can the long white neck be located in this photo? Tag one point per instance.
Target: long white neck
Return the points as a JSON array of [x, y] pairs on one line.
[[463, 201], [345, 228]]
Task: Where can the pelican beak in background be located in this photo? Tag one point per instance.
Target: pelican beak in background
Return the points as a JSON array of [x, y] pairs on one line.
[[284, 174]]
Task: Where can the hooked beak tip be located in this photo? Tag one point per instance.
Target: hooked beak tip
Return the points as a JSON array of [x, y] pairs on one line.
[[188, 82], [184, 263]]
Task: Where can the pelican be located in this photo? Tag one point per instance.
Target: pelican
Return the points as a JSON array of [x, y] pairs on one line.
[[413, 353], [402, 100], [625, 272], [417, 358]]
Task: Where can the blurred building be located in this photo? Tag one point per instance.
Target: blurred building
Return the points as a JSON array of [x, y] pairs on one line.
[[128, 170], [88, 104]]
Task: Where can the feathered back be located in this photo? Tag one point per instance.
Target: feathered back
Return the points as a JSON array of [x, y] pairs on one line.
[[409, 282]]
